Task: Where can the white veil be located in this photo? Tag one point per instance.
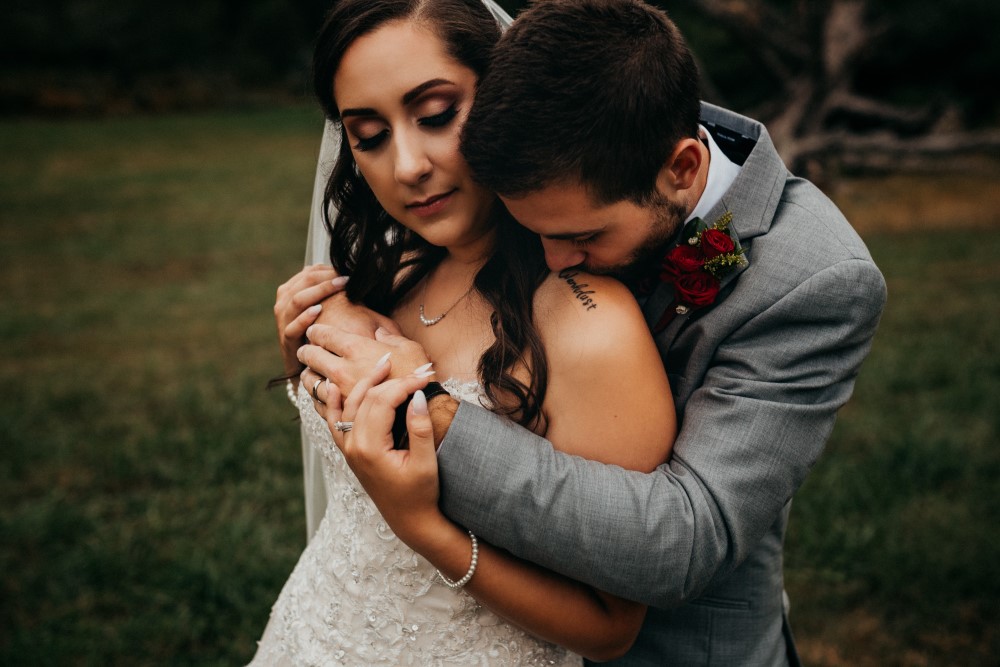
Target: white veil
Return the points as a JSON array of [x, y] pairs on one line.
[[318, 251]]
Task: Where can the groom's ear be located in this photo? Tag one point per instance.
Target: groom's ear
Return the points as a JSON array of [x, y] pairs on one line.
[[680, 171]]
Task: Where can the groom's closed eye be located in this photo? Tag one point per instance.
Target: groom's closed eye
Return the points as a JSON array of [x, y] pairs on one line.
[[582, 235], [579, 239]]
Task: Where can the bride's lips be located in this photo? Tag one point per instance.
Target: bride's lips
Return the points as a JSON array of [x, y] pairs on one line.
[[431, 205]]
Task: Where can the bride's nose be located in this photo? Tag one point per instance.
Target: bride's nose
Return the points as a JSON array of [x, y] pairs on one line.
[[413, 165]]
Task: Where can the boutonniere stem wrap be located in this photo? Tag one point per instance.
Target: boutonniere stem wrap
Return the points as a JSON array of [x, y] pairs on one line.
[[696, 266]]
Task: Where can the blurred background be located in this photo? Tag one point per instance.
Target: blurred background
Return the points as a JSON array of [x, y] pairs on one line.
[[156, 174]]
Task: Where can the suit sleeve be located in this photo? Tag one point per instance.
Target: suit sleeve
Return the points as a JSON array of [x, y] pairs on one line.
[[749, 436]]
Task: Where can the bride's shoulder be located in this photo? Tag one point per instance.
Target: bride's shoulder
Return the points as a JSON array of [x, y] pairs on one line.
[[608, 397], [574, 308]]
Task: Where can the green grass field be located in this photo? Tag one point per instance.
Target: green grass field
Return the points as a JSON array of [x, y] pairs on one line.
[[150, 489]]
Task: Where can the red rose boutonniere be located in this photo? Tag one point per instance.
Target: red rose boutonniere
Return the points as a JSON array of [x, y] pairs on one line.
[[696, 267]]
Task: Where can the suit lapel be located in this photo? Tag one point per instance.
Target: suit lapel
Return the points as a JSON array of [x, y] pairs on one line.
[[657, 302], [754, 195]]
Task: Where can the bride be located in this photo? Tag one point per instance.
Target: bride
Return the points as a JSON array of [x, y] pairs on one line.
[[426, 245]]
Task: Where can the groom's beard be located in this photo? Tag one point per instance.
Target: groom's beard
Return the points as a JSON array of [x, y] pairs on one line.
[[667, 220]]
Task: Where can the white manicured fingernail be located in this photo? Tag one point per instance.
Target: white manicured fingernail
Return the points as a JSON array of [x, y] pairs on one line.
[[380, 364], [340, 281], [312, 310], [423, 369], [425, 374], [419, 403]]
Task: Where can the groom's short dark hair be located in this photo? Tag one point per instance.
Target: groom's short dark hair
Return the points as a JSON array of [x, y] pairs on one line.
[[593, 91]]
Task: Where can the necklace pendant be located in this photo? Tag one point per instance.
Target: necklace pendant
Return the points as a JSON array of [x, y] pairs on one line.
[[434, 320], [430, 322]]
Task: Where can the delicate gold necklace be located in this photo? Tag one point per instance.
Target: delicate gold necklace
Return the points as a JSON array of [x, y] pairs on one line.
[[434, 320]]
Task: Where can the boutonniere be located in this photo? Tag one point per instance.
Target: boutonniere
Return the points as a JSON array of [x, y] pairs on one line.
[[697, 264]]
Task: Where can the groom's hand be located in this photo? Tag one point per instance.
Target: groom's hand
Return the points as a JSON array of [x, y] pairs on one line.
[[340, 312], [345, 357]]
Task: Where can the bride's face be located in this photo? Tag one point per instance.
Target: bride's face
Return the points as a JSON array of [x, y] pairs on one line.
[[403, 101]]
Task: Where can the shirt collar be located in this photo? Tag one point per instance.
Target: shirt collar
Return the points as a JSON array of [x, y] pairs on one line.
[[721, 173]]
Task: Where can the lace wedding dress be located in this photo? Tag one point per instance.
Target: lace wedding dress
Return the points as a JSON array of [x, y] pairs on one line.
[[359, 596]]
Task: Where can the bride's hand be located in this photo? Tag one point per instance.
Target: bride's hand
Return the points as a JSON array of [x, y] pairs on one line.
[[346, 357], [297, 305], [403, 483]]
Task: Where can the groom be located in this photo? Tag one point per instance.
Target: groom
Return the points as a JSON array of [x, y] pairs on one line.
[[588, 126]]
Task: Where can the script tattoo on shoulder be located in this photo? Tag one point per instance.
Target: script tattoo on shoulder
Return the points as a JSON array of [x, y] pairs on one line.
[[580, 290]]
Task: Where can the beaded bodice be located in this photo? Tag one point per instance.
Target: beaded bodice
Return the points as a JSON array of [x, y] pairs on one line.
[[359, 596]]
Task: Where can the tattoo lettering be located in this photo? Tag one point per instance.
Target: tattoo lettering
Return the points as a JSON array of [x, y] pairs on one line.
[[579, 289]]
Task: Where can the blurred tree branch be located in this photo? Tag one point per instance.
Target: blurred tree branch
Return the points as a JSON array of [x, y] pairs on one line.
[[813, 49]]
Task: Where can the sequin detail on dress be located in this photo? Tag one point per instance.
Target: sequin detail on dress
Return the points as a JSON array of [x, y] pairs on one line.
[[359, 596]]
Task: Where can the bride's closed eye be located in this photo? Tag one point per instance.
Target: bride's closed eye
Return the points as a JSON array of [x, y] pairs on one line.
[[440, 119], [436, 120], [372, 142]]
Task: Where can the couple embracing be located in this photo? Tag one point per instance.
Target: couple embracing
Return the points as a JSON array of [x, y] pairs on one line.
[[593, 338]]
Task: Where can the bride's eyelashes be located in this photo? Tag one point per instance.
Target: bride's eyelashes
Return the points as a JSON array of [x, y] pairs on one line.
[[434, 121], [370, 143], [440, 119]]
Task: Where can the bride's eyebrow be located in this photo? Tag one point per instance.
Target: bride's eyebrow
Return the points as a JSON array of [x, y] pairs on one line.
[[425, 86], [363, 111], [408, 97]]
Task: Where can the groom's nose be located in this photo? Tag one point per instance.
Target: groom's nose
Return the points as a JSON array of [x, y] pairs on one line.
[[561, 254]]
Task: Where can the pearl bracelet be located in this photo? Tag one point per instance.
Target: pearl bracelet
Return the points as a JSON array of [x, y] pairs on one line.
[[290, 391], [472, 567]]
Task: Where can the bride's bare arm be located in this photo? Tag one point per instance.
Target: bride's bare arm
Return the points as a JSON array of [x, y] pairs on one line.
[[589, 622], [607, 384]]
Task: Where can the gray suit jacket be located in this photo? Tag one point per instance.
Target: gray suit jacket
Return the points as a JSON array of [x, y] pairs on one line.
[[757, 380]]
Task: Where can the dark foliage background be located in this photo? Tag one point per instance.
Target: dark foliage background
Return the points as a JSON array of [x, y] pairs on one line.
[[104, 55], [929, 51], [99, 56]]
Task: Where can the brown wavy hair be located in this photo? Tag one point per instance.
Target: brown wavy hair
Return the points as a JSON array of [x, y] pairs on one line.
[[386, 260]]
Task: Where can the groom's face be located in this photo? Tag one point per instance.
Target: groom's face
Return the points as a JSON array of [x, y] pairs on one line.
[[606, 239]]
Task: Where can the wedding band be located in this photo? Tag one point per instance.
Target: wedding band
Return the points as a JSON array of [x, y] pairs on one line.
[[315, 387], [343, 427]]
